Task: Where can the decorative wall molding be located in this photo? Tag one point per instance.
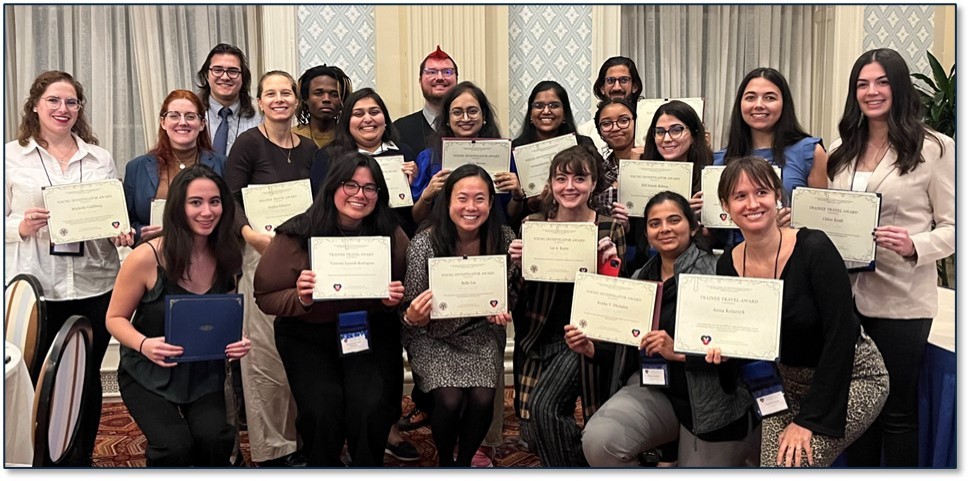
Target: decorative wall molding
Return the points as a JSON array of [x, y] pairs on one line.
[[340, 35]]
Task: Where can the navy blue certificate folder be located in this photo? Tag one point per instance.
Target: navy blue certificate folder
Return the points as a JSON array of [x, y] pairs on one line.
[[203, 325]]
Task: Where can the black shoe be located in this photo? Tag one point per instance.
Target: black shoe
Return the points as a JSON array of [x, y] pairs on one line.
[[406, 423], [649, 458], [292, 460], [404, 451]]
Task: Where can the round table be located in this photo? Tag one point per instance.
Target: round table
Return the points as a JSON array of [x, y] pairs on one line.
[[18, 397]]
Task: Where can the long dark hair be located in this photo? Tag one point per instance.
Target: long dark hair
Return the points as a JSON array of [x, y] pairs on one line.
[[246, 108], [224, 243], [344, 86], [30, 122], [686, 212], [577, 160], [163, 148], [321, 220], [444, 235], [698, 154], [906, 128], [634, 77], [443, 126], [568, 126], [787, 130], [343, 141]]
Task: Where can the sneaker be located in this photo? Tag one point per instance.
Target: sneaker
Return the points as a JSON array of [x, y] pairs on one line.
[[483, 457], [404, 451]]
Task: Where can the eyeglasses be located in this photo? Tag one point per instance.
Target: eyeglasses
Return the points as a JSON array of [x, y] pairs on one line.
[[54, 103], [433, 72], [173, 116], [622, 123], [472, 113], [540, 106], [352, 188], [675, 131], [623, 80], [231, 72]]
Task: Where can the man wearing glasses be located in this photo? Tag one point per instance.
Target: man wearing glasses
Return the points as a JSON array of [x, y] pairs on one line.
[[223, 82], [618, 79], [438, 74]]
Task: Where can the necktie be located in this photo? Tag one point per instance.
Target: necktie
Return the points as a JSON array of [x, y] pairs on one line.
[[221, 139]]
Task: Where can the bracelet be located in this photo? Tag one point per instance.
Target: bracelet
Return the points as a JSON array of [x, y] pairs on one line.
[[142, 344]]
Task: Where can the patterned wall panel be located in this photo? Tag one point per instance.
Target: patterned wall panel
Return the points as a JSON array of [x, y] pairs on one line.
[[549, 42], [903, 28], [341, 35]]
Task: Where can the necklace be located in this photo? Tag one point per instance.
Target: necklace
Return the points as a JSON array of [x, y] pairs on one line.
[[194, 159], [744, 256], [288, 151]]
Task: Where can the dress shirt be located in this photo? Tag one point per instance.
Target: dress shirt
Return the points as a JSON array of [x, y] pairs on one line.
[[430, 116], [237, 124], [62, 277]]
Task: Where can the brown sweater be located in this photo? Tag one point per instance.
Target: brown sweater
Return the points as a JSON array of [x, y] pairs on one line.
[[280, 266]]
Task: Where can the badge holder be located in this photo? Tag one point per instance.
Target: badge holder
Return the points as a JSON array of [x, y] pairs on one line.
[[354, 333], [653, 370], [764, 383], [71, 249]]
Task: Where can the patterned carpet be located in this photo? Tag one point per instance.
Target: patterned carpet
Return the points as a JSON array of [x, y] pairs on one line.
[[121, 444]]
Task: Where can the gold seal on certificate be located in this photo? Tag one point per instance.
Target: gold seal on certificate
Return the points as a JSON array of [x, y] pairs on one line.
[[847, 217], [739, 315], [639, 180], [532, 161], [157, 212], [398, 189], [490, 154], [269, 205], [86, 211], [614, 309], [556, 251], [468, 286], [712, 215], [350, 267]]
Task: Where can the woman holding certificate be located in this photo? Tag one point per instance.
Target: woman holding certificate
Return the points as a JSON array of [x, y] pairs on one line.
[[342, 357], [55, 146], [717, 427], [181, 143], [886, 148], [266, 154], [180, 406], [466, 114], [549, 371], [459, 359], [832, 374], [616, 122]]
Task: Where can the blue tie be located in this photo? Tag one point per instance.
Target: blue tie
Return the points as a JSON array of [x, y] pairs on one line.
[[222, 133]]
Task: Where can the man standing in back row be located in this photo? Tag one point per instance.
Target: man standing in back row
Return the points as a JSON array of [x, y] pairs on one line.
[[223, 82], [438, 74]]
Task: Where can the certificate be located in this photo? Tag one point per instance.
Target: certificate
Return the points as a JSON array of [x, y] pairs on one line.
[[712, 215], [270, 205], [556, 251], [639, 180], [739, 315], [490, 154], [398, 188], [468, 286], [157, 212], [532, 161], [203, 325], [847, 217], [614, 309], [351, 267], [86, 211]]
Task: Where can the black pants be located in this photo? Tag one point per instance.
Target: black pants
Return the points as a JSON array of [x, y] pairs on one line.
[[94, 308], [354, 398], [894, 436], [193, 434]]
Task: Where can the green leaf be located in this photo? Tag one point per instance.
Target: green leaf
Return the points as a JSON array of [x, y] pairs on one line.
[[938, 73], [919, 76]]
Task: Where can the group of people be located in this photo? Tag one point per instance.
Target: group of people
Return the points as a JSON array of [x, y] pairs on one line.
[[850, 342]]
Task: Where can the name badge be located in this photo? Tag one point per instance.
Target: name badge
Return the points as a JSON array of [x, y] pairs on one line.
[[653, 371], [71, 249], [764, 383], [354, 333]]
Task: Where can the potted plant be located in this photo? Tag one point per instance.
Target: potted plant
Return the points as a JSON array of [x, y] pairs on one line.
[[938, 96]]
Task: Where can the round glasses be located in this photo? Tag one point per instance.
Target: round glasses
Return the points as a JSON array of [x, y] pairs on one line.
[[352, 188], [621, 123], [231, 72], [54, 103], [540, 106], [623, 80], [176, 117], [675, 131], [471, 112]]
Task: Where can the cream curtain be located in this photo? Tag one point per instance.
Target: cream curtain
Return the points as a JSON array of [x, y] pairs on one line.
[[705, 51], [127, 58]]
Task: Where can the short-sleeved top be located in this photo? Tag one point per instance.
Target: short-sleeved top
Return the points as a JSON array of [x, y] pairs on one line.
[[187, 381], [799, 159]]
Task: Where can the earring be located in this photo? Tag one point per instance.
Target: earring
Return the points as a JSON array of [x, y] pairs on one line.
[[778, 204], [35, 110]]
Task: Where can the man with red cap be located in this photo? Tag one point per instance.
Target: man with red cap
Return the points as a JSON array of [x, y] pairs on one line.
[[438, 74]]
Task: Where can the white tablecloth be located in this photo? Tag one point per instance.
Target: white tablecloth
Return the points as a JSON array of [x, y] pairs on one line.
[[18, 405]]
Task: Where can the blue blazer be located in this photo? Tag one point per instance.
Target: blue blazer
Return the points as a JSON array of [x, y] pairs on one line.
[[141, 183]]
